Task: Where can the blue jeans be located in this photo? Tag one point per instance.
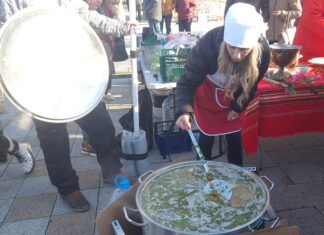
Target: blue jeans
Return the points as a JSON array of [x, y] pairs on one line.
[[167, 20], [155, 25]]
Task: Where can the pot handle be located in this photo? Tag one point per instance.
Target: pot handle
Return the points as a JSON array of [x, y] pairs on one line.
[[132, 221], [275, 222], [266, 178], [143, 175]]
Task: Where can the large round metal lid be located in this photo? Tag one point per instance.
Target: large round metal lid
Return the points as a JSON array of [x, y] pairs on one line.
[[52, 64]]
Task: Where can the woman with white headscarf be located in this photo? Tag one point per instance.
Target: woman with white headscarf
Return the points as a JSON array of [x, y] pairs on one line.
[[221, 77]]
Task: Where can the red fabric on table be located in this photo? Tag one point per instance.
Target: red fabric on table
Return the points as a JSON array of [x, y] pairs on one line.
[[274, 113]]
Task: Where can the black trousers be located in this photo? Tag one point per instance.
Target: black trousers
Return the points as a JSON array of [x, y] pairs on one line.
[[4, 147], [54, 141], [234, 147], [185, 25]]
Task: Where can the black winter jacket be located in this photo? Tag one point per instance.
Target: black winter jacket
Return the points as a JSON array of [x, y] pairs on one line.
[[261, 6], [203, 61]]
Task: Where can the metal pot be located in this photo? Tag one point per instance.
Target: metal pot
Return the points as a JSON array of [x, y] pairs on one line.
[[53, 65], [153, 226]]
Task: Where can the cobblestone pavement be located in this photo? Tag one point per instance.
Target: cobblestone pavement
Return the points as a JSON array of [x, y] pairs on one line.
[[30, 205]]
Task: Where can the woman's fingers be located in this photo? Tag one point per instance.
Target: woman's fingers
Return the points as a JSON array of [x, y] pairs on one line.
[[184, 122]]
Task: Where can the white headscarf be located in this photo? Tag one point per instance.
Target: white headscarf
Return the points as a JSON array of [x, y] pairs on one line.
[[243, 26]]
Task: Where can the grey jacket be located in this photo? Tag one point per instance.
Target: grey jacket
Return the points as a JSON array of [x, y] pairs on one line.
[[153, 9], [100, 23]]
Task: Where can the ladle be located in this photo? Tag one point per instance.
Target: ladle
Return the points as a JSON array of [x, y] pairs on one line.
[[214, 186]]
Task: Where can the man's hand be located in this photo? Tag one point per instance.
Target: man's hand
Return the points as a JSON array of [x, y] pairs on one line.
[[184, 122], [131, 24], [232, 115]]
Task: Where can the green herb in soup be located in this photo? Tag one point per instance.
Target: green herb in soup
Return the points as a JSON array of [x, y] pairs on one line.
[[176, 200]]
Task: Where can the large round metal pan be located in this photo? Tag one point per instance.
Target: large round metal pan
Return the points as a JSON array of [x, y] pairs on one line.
[[52, 64]]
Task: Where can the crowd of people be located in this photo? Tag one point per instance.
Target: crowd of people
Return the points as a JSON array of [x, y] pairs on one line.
[[230, 60]]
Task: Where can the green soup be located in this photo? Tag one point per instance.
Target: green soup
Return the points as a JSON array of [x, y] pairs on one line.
[[176, 200]]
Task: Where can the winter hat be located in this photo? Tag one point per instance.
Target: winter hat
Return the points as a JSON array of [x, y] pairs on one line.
[[243, 26]]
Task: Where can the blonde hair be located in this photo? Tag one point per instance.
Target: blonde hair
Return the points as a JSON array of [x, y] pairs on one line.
[[245, 73]]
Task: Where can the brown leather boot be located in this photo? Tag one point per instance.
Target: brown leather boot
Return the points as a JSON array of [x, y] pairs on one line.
[[76, 201]]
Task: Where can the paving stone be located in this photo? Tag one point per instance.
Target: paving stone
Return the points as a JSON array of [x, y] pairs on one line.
[[3, 166], [89, 179], [277, 176], [85, 163], [32, 140], [35, 186], [13, 171], [302, 140], [274, 144], [27, 227], [288, 197], [285, 157], [31, 207], [314, 191], [105, 195], [320, 207], [90, 194], [9, 188], [72, 224], [319, 136], [303, 172], [39, 170], [308, 220], [253, 160], [40, 154], [313, 154], [76, 150], [4, 205]]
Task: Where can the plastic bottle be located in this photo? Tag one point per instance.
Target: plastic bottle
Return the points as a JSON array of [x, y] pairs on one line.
[[123, 185], [167, 110]]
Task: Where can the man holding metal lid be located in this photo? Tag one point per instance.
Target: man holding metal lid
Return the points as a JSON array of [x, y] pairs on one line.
[[221, 77], [53, 137]]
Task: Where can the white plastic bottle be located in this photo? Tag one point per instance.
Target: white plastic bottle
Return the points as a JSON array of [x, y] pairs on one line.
[[123, 185], [167, 110]]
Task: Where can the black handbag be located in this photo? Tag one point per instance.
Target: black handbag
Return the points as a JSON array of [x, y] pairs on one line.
[[119, 51]]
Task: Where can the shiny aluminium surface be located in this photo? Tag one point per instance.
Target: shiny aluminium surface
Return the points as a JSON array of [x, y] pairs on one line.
[[52, 64]]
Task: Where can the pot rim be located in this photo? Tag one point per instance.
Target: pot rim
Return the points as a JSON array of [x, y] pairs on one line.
[[186, 163]]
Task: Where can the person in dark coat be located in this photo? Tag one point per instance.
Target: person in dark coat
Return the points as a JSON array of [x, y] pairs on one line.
[[153, 14], [221, 77], [262, 6]]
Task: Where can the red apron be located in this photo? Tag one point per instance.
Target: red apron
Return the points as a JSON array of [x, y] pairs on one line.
[[211, 109]]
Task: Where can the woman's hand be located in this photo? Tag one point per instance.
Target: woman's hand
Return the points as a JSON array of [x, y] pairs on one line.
[[184, 122], [131, 24], [232, 115]]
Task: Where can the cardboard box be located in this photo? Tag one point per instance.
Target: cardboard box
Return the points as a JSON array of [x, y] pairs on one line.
[[115, 211]]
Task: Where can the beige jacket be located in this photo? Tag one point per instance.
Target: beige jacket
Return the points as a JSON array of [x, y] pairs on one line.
[[277, 24]]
